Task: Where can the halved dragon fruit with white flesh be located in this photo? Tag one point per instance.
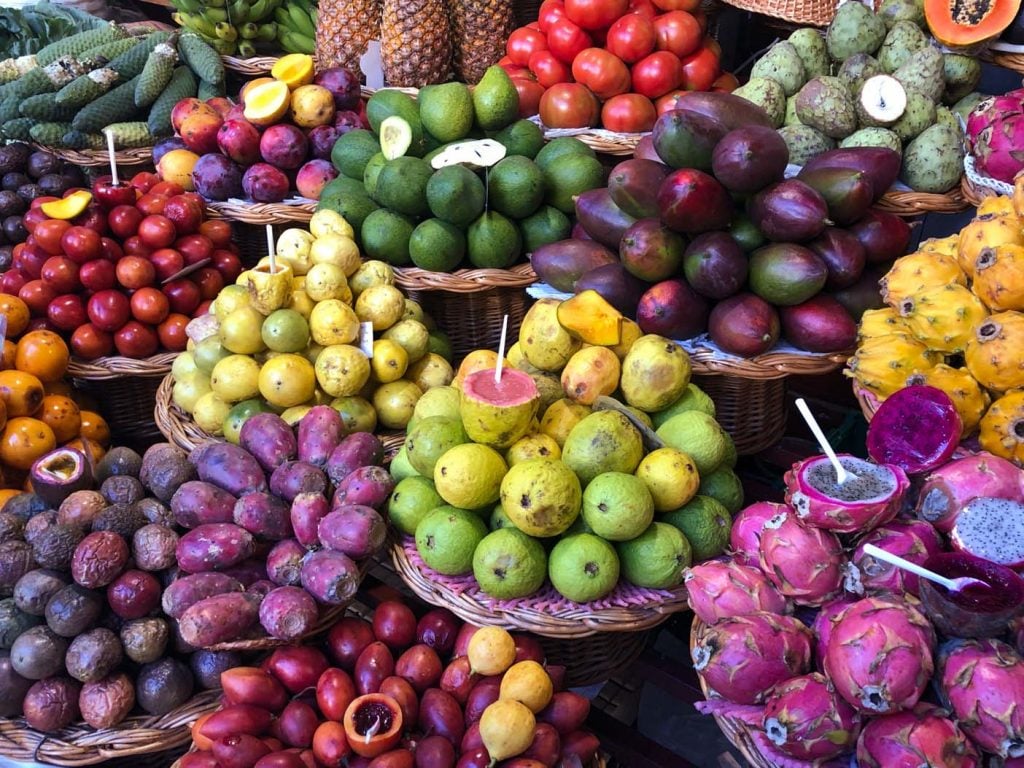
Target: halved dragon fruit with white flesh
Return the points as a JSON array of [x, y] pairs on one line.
[[923, 736], [822, 625], [992, 529], [746, 530], [871, 497], [720, 589], [913, 540], [983, 683], [879, 656], [805, 563], [806, 719], [948, 489], [917, 429], [743, 657]]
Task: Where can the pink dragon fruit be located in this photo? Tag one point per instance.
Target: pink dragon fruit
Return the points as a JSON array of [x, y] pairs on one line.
[[742, 657], [822, 625], [948, 489], [995, 135], [923, 736], [746, 530], [720, 589], [983, 683], [871, 497], [913, 540], [880, 655], [992, 529], [917, 429], [805, 563], [805, 719]]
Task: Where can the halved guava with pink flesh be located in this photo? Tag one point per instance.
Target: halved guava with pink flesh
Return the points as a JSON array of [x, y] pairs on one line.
[[992, 529], [917, 429], [497, 411]]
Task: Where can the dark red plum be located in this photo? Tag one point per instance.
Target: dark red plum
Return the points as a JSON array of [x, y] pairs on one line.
[[217, 177], [715, 265], [744, 325]]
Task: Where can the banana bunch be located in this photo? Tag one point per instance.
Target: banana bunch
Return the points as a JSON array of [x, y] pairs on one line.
[[296, 26], [232, 27]]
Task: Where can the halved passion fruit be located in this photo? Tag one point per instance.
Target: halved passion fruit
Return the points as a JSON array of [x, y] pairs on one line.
[[373, 724], [59, 473]]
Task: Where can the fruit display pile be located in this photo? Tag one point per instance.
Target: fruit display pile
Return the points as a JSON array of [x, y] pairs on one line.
[[108, 81], [103, 267], [411, 201], [874, 79], [701, 232], [617, 65], [38, 410], [992, 128], [951, 321], [483, 486], [275, 141], [323, 328], [247, 28], [856, 676], [394, 692]]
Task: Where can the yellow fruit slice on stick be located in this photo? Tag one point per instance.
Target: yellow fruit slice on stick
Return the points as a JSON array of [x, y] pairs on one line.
[[266, 104], [68, 207], [294, 70]]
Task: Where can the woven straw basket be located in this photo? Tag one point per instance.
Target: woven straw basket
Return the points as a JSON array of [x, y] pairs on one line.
[[95, 158], [975, 187], [257, 66], [145, 740], [599, 762], [815, 13]]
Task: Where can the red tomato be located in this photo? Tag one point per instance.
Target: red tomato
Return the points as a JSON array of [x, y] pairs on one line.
[[530, 93], [678, 32], [602, 72], [149, 305], [524, 42], [33, 218], [628, 113], [566, 39], [726, 83], [657, 74], [37, 295], [644, 8], [136, 340], [569, 105], [699, 70], [89, 342], [550, 12], [631, 37], [183, 295], [548, 70], [595, 14], [172, 333], [677, 5], [671, 100], [152, 204], [710, 42], [110, 249], [67, 312], [144, 181], [166, 188], [167, 262]]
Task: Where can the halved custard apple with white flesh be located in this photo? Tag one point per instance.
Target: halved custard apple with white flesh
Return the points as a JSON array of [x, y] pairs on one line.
[[395, 137], [882, 101], [482, 153]]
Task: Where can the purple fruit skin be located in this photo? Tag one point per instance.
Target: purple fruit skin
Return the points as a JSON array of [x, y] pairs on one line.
[[269, 439], [229, 467], [360, 449], [354, 529], [616, 285], [330, 577], [288, 613], [672, 309], [308, 509], [263, 183], [296, 477], [651, 251], [248, 571], [320, 432], [216, 177], [843, 255], [343, 85], [602, 219], [366, 485], [879, 164], [820, 324], [190, 589], [750, 158], [715, 265], [263, 515], [633, 186], [692, 201], [197, 502], [260, 588], [917, 428], [789, 211], [284, 563], [885, 236], [321, 141], [214, 547], [744, 325]]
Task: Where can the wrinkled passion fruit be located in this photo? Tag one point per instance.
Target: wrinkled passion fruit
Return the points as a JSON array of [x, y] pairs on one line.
[[373, 724], [60, 473]]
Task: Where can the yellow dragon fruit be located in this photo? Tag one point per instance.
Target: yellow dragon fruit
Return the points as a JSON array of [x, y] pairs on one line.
[[1002, 429], [970, 400], [999, 277], [944, 245], [1018, 196], [882, 365], [880, 322], [999, 205], [993, 353], [986, 231], [943, 318], [917, 271]]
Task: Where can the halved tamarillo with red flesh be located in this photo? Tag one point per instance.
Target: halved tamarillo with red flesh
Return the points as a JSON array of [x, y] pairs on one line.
[[373, 724]]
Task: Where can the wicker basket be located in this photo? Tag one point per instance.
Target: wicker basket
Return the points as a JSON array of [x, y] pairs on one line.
[[600, 140], [143, 739], [98, 157], [469, 304], [975, 187], [815, 13], [599, 762], [910, 204], [261, 214], [257, 66], [126, 390]]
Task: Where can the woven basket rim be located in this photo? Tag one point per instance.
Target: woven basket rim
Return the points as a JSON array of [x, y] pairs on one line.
[[465, 280], [599, 762], [99, 157], [540, 620], [254, 65], [261, 214], [115, 367], [81, 745], [817, 14], [771, 365], [909, 203]]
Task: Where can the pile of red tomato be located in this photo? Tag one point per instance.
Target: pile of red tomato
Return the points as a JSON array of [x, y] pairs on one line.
[[614, 63]]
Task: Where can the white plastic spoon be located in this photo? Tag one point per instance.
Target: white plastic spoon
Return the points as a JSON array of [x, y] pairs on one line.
[[501, 350], [842, 475], [953, 585]]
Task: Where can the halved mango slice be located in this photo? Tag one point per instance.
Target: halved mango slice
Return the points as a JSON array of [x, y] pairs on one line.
[[267, 103], [589, 317], [68, 207], [295, 69]]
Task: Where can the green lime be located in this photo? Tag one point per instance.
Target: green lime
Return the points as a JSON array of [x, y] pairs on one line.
[[725, 487], [617, 506], [457, 195], [583, 567], [656, 558], [437, 246], [400, 467], [440, 344], [357, 413], [706, 525], [430, 438], [499, 519], [469, 476], [208, 353], [353, 150], [546, 225], [515, 187], [494, 242], [570, 175], [564, 145], [402, 185], [693, 399], [697, 434], [447, 537], [239, 414], [446, 111], [523, 137], [411, 500], [285, 330], [508, 564], [385, 235]]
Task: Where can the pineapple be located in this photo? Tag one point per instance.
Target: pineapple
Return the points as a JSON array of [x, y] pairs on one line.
[[479, 31], [969, 399], [943, 318], [416, 45], [344, 30], [882, 365], [918, 271]]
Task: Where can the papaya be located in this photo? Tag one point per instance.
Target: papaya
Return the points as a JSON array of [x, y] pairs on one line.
[[588, 317], [960, 26]]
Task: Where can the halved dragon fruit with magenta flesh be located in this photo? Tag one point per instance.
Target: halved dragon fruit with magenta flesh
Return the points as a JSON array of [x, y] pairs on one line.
[[746, 530], [720, 589], [917, 429], [913, 540], [995, 135], [806, 719], [871, 497], [948, 489], [992, 529], [822, 625], [743, 657], [923, 736], [805, 563], [879, 656], [983, 683]]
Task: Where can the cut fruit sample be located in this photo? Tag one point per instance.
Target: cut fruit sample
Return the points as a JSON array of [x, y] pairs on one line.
[[498, 412], [883, 99], [957, 25], [589, 317], [68, 207], [266, 104], [395, 137], [482, 153], [917, 429], [294, 70]]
